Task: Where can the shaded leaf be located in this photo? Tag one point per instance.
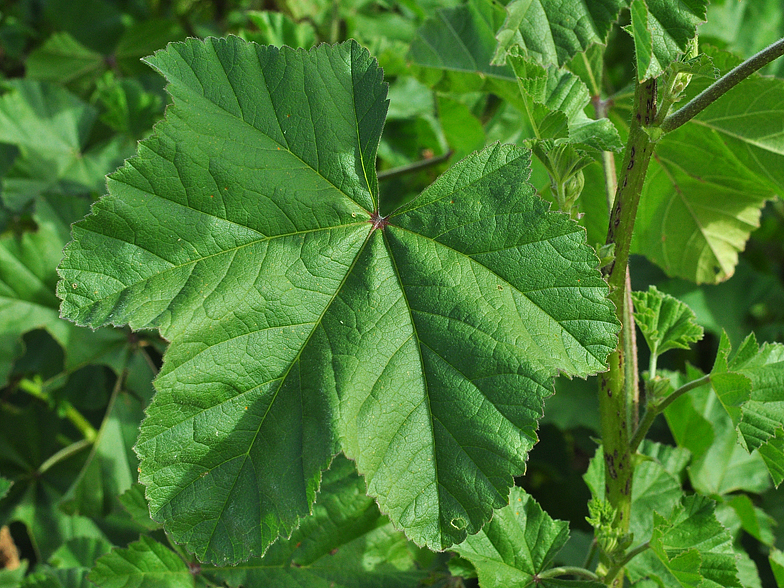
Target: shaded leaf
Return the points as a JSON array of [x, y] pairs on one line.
[[665, 322], [720, 465], [755, 521], [452, 50], [143, 564], [345, 543], [51, 128], [135, 503], [260, 232], [751, 389], [776, 559], [64, 60]]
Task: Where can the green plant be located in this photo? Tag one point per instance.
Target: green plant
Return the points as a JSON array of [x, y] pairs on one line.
[[312, 310]]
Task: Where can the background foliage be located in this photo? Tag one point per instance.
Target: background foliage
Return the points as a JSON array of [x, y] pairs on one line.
[[76, 99]]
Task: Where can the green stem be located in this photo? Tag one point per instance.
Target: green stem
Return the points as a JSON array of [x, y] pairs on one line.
[[722, 86], [35, 388], [655, 409], [614, 390], [63, 454], [567, 571], [613, 571], [413, 167]]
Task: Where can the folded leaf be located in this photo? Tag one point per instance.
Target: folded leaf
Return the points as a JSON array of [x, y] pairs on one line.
[[665, 322], [302, 322]]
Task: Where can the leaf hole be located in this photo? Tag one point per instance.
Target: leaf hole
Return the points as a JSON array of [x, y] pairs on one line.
[[458, 523]]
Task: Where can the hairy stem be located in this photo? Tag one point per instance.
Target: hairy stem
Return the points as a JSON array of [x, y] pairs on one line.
[[614, 390], [655, 409], [629, 557], [722, 86]]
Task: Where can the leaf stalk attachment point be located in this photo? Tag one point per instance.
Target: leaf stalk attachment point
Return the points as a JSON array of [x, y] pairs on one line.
[[722, 86]]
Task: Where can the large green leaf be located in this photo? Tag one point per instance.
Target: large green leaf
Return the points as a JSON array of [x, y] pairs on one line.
[[662, 31], [347, 543], [708, 180], [246, 231], [553, 31], [517, 545]]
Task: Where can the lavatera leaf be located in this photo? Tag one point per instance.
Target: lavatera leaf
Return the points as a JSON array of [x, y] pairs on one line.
[[302, 323]]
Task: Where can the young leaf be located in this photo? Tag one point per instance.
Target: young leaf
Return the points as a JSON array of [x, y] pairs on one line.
[[135, 504], [553, 31], [517, 545], [708, 180], [665, 322], [247, 231], [561, 95], [662, 31], [346, 543], [144, 563]]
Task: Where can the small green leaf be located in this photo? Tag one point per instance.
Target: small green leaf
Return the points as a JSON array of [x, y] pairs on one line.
[[144, 564], [5, 486], [694, 546], [755, 521], [135, 503], [662, 31], [553, 31], [519, 543], [665, 322], [559, 99], [749, 387], [776, 559]]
